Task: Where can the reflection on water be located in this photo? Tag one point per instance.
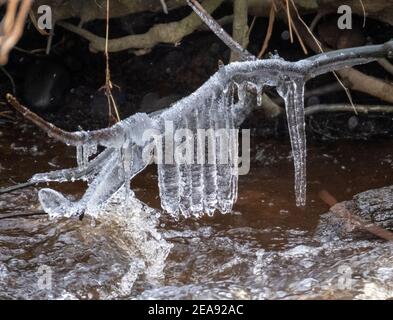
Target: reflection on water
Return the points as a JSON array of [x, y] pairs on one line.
[[265, 249]]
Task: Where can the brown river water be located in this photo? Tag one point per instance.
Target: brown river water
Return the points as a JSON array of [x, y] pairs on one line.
[[265, 249]]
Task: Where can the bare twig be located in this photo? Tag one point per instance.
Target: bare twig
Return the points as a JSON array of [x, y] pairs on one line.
[[341, 211], [22, 215], [108, 83], [368, 84], [7, 74], [240, 27], [385, 63], [347, 108], [103, 136], [16, 187], [164, 6], [272, 17], [289, 20], [326, 89], [364, 13], [13, 25], [219, 31]]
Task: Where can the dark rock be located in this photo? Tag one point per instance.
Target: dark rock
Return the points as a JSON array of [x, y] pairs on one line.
[[45, 85], [375, 206]]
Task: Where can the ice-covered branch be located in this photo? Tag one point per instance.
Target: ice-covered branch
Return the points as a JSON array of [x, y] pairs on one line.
[[195, 188]]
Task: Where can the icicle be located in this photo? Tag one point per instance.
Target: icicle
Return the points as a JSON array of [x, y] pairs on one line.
[[79, 156], [292, 92], [210, 166], [259, 95], [242, 92], [168, 174], [185, 182], [224, 167], [126, 157], [84, 152], [196, 169]]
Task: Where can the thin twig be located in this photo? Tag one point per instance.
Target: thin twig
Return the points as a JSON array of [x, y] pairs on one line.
[[347, 108], [364, 13], [219, 31], [13, 25], [16, 187], [326, 89], [108, 82], [240, 26], [10, 78], [269, 31], [289, 20], [164, 6], [22, 215], [385, 63]]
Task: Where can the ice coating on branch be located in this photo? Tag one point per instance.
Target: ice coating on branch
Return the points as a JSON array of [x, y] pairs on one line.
[[198, 142]]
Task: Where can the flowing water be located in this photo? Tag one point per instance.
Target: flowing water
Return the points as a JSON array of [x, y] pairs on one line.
[[264, 249]]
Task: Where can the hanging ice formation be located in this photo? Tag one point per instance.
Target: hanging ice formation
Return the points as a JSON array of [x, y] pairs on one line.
[[223, 102]]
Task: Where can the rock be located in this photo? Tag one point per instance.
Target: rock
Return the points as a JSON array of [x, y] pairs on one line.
[[375, 206], [45, 85]]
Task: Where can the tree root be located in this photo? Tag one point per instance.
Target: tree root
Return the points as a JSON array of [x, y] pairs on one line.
[[172, 32]]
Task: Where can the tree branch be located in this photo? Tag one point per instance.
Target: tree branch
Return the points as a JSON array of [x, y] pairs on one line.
[[276, 69], [240, 26], [347, 108]]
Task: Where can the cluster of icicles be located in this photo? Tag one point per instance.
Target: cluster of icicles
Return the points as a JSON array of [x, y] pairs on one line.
[[223, 102]]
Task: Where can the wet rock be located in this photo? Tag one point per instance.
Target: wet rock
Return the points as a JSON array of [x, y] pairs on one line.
[[375, 206], [45, 85]]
